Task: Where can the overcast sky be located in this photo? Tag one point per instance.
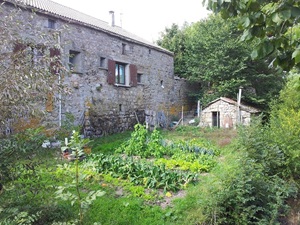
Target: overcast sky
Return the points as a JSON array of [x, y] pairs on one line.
[[143, 18]]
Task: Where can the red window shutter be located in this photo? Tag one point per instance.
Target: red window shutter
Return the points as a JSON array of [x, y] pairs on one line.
[[18, 53], [55, 64], [49, 102], [111, 76], [133, 75]]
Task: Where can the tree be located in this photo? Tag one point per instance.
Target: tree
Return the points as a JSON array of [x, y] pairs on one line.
[[173, 39], [30, 66], [211, 54], [274, 23]]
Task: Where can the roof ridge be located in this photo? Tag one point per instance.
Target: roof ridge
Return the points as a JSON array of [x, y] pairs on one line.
[[68, 13]]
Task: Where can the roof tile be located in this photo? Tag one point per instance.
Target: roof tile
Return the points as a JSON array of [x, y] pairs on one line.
[[67, 13]]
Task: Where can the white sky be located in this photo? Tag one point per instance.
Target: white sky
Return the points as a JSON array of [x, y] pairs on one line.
[[143, 18]]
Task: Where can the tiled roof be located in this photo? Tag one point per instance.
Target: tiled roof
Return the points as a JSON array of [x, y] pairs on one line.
[[233, 102], [64, 12]]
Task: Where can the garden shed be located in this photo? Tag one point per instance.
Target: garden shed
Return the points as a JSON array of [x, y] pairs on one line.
[[226, 113]]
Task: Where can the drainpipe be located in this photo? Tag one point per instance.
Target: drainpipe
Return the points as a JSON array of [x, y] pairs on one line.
[[59, 95]]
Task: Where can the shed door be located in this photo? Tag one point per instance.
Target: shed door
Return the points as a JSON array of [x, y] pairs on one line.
[[216, 119]]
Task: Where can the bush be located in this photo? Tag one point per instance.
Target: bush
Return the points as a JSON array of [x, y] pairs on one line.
[[284, 127]]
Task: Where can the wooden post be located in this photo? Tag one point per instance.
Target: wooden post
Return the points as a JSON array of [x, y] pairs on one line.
[[182, 115], [198, 108], [238, 106]]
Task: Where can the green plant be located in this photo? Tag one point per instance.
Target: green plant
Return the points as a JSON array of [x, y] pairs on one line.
[[144, 144], [20, 218], [136, 145], [67, 127], [76, 145], [140, 172]]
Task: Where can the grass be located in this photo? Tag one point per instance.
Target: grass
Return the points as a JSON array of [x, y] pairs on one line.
[[108, 144], [36, 190]]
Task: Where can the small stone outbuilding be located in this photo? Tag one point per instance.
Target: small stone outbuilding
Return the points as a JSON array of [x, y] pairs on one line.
[[223, 113]]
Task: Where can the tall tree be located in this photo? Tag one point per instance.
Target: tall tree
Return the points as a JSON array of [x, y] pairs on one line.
[[213, 56], [274, 23], [173, 39]]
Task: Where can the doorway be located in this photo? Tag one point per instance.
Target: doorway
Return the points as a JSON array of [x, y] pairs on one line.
[[216, 119]]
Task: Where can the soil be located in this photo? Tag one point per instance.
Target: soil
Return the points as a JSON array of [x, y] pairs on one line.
[[167, 201]]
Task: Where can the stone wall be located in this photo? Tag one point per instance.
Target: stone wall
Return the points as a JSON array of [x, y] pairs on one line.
[[227, 115], [104, 108]]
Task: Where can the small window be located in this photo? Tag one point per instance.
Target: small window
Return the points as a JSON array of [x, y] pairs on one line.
[[120, 73], [103, 62], [139, 77], [162, 84], [74, 60], [123, 49], [51, 24], [120, 108], [149, 51]]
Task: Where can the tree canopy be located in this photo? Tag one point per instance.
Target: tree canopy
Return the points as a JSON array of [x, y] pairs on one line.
[[210, 52], [274, 23]]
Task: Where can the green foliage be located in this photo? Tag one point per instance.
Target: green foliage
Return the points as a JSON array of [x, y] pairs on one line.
[[209, 52], [240, 192], [284, 127], [143, 144], [140, 172], [111, 210], [22, 74], [109, 144], [136, 145], [274, 23], [20, 218], [67, 127], [182, 165], [76, 145], [14, 149]]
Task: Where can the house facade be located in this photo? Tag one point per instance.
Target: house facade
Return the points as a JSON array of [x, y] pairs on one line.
[[226, 113], [114, 78]]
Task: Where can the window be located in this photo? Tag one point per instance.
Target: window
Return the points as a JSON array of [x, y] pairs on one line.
[[123, 49], [103, 62], [74, 61], [51, 24], [38, 55], [29, 54], [120, 73], [139, 78]]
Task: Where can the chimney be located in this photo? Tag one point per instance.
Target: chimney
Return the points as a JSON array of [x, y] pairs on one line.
[[112, 13]]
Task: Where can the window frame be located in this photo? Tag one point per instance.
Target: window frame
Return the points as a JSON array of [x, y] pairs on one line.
[[51, 23], [102, 62], [74, 61], [130, 74], [139, 78], [119, 68]]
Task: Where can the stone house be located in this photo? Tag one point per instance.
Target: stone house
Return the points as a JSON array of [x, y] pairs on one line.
[[116, 79], [223, 113]]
